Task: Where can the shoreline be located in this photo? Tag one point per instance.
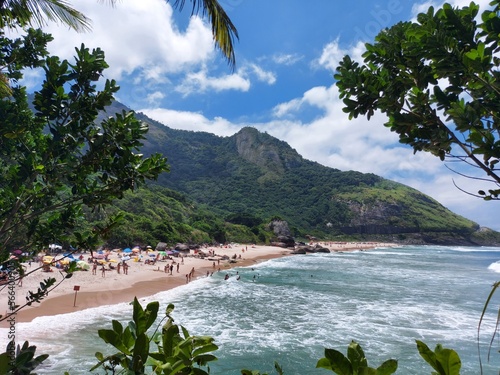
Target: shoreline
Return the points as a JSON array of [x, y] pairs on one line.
[[144, 280]]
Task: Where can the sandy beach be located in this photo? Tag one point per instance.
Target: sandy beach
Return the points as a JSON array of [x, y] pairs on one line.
[[110, 287]]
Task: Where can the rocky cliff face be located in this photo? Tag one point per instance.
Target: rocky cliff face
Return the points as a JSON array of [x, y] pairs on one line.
[[377, 218], [263, 150]]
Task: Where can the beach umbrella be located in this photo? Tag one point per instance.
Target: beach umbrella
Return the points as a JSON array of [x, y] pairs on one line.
[[127, 250], [17, 252]]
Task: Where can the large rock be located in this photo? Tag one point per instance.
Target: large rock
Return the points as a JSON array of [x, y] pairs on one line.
[[282, 233], [280, 228], [181, 247]]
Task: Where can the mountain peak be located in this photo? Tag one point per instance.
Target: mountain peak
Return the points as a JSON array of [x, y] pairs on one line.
[[265, 151]]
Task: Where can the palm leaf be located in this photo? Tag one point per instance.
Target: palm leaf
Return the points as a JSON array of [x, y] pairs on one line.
[[223, 30]]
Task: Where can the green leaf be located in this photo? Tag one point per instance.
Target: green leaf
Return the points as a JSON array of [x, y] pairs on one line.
[[388, 367], [335, 361]]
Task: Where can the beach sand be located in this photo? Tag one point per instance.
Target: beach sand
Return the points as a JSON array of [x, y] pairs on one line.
[[142, 279]]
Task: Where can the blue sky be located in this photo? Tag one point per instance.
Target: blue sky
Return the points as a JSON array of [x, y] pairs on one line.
[[283, 84]]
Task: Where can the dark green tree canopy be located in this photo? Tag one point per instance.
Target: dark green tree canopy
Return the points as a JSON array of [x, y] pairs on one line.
[[438, 82], [56, 159]]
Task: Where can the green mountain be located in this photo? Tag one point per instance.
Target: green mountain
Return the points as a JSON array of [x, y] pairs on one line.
[[254, 175]]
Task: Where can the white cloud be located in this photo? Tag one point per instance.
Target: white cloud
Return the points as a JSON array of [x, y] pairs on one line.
[[262, 75], [137, 36], [155, 97], [200, 82], [287, 59], [191, 121], [332, 54]]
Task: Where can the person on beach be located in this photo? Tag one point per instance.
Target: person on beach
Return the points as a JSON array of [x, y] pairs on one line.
[[125, 268], [94, 268], [118, 267], [103, 271], [165, 269], [171, 269], [178, 267]]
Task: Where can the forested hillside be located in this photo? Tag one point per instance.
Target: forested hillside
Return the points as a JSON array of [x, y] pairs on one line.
[[253, 174], [228, 188]]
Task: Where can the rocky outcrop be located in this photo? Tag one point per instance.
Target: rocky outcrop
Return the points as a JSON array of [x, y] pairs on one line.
[[383, 218], [304, 249], [282, 232]]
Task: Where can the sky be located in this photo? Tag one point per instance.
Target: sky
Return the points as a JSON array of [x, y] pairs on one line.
[[286, 55]]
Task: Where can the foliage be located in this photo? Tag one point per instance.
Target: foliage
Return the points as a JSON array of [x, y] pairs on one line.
[[355, 363], [176, 355], [277, 367], [57, 160], [437, 80], [444, 361], [20, 360], [36, 13]]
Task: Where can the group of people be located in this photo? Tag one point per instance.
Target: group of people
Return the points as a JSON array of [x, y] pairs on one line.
[[103, 268]]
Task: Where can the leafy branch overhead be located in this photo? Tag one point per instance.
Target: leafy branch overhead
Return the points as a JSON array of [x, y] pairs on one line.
[[57, 160], [437, 80]]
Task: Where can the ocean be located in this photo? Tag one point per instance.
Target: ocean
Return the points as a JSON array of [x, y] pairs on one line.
[[289, 309]]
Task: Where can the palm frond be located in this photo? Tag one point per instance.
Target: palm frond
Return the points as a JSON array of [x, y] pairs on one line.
[[223, 30], [37, 12]]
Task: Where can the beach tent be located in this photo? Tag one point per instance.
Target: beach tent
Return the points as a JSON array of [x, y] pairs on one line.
[[55, 247], [82, 265]]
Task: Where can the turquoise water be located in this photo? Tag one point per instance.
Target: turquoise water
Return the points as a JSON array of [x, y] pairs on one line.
[[289, 309]]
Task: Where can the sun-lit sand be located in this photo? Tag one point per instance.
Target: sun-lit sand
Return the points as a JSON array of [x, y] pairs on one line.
[[142, 279]]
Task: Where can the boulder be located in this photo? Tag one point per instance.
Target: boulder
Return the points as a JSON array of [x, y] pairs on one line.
[[181, 247]]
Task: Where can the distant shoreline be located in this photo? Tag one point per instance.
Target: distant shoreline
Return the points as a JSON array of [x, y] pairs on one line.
[[145, 280]]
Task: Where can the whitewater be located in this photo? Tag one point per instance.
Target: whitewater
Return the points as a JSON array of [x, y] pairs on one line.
[[289, 309]]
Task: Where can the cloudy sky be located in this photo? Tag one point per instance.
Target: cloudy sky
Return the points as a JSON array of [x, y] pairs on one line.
[[168, 68]]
